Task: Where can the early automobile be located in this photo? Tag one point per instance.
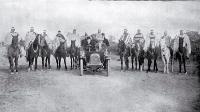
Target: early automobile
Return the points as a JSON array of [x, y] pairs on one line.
[[94, 58]]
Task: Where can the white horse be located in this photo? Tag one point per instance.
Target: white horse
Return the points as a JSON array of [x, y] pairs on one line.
[[165, 54]]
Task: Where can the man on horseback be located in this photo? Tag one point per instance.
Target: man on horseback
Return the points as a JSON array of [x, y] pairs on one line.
[[29, 38], [43, 41], [99, 37], [128, 42], [59, 39], [9, 40], [74, 37], [136, 51], [184, 49], [152, 38], [166, 50], [152, 51]]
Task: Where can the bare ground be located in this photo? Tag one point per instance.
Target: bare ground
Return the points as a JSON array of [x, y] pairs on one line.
[[66, 91]]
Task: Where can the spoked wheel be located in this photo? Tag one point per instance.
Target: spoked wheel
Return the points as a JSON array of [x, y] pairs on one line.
[[108, 67], [81, 67]]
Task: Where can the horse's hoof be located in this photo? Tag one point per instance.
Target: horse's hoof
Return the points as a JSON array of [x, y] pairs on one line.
[[12, 73], [29, 69], [185, 73]]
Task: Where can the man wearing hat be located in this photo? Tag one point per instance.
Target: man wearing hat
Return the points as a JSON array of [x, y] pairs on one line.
[[44, 41], [183, 41], [99, 36], [29, 38], [128, 42], [59, 39], [8, 40]]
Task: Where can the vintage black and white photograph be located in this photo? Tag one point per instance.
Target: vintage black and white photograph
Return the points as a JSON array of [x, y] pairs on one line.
[[99, 56]]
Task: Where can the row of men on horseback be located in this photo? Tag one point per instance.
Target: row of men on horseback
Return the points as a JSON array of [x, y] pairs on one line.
[[151, 47], [40, 45]]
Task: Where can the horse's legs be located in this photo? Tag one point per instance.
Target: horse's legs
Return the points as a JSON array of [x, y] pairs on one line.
[[149, 65], [65, 62], [59, 62], [126, 62], [184, 64], [71, 61], [42, 62], [9, 59], [49, 61], [136, 62], [167, 66], [121, 58], [16, 64], [56, 61], [11, 64], [132, 58], [155, 65], [164, 62], [35, 63], [180, 64], [46, 60]]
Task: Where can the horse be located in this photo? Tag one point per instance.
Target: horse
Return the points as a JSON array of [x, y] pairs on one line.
[[137, 53], [124, 53], [14, 53], [181, 51], [152, 54], [61, 52], [33, 52], [74, 54], [45, 52], [165, 55]]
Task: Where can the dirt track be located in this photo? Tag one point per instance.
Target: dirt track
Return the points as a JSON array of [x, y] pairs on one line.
[[66, 91]]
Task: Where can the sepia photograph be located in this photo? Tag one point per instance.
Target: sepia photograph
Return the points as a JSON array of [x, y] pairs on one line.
[[99, 56]]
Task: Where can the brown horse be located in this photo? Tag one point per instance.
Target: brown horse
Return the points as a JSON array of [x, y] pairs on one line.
[[74, 55], [138, 54], [45, 52], [124, 53], [33, 52], [61, 52], [14, 53]]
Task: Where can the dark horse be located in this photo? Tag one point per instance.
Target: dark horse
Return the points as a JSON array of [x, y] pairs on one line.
[[33, 52], [124, 53], [14, 53], [45, 53], [152, 53], [181, 56], [137, 53], [74, 54], [61, 52]]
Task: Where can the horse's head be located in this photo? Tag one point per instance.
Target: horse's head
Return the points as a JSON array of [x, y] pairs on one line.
[[73, 43], [14, 43], [37, 39], [121, 46]]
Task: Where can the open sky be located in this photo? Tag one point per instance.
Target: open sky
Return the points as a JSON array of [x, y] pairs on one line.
[[87, 16]]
